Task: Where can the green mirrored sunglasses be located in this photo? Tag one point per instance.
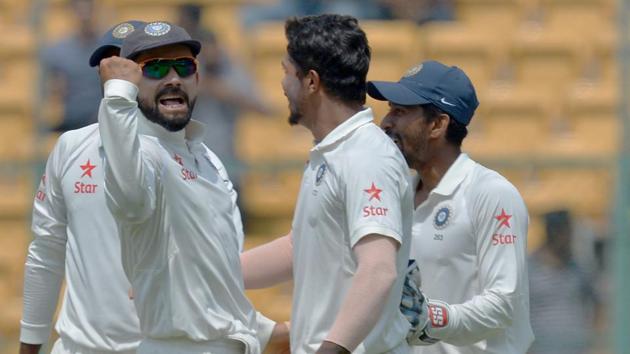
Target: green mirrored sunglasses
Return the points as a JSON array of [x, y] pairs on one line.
[[159, 68]]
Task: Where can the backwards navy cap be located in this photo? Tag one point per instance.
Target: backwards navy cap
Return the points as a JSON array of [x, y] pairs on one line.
[[155, 35], [446, 87], [113, 38]]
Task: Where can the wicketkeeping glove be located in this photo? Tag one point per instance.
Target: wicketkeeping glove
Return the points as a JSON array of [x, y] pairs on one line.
[[416, 308]]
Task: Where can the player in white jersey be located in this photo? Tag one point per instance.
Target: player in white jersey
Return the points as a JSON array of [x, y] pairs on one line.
[[76, 235], [179, 225], [470, 223], [349, 246]]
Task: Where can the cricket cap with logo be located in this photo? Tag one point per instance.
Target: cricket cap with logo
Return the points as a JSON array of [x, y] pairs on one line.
[[431, 82], [155, 35], [113, 39]]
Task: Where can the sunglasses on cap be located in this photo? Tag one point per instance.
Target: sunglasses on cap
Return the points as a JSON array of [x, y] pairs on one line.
[[159, 68]]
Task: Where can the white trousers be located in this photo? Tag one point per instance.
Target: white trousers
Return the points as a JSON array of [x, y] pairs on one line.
[[186, 346], [64, 346]]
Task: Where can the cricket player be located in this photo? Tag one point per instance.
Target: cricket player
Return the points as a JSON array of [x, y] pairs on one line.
[[350, 240], [179, 225], [470, 223], [75, 235]]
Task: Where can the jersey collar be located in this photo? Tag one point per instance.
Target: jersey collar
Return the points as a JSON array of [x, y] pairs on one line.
[[344, 129], [462, 166]]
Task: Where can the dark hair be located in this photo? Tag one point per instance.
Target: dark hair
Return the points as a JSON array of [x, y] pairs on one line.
[[455, 132], [336, 48]]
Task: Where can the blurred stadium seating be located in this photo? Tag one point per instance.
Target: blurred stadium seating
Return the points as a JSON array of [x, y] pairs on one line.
[[545, 71]]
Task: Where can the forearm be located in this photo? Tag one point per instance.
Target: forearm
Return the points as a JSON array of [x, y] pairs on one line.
[[366, 298], [43, 275], [477, 319], [125, 177], [269, 264], [362, 306]]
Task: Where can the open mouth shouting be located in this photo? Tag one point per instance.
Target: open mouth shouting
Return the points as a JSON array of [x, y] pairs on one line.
[[174, 102]]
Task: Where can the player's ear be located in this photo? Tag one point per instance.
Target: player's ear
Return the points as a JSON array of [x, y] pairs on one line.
[[440, 125], [312, 81]]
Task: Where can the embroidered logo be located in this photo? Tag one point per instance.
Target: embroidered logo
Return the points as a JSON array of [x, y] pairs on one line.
[[319, 176], [374, 192], [503, 218], [443, 217], [157, 29], [41, 194], [411, 72], [178, 159], [87, 169], [438, 315], [85, 188], [123, 30]]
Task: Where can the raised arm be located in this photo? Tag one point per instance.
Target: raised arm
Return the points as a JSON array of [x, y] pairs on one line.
[[130, 171]]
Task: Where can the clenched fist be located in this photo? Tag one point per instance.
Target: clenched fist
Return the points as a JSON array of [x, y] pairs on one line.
[[120, 68]]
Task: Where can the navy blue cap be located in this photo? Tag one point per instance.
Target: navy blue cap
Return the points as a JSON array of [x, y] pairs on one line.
[[155, 35], [113, 38], [446, 87]]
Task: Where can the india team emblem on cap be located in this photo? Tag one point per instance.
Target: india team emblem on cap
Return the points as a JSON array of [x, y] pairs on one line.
[[122, 30], [411, 72], [157, 29], [321, 171], [442, 217]]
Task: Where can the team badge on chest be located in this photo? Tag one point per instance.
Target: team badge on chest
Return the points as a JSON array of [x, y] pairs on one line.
[[443, 217], [321, 171]]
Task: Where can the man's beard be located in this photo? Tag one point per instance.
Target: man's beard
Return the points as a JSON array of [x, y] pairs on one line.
[[294, 118], [153, 113], [419, 149]]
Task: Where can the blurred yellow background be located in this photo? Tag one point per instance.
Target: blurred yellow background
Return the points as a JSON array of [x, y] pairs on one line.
[[546, 73]]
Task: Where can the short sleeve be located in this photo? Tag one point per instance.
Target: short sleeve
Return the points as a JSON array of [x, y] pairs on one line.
[[374, 193]]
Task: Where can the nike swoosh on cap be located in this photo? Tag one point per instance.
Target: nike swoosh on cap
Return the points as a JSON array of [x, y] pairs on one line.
[[443, 100]]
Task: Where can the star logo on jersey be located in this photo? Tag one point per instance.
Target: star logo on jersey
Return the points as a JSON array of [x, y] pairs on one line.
[[178, 159], [503, 218], [374, 192], [87, 169]]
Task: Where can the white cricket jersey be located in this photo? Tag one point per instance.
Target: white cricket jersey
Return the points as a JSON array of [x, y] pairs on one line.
[[180, 238], [75, 232], [470, 240], [354, 185]]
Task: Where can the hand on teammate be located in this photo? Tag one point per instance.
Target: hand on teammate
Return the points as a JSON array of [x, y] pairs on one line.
[[120, 68]]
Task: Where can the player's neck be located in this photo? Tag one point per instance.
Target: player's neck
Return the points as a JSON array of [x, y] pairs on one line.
[[432, 171], [329, 115]]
